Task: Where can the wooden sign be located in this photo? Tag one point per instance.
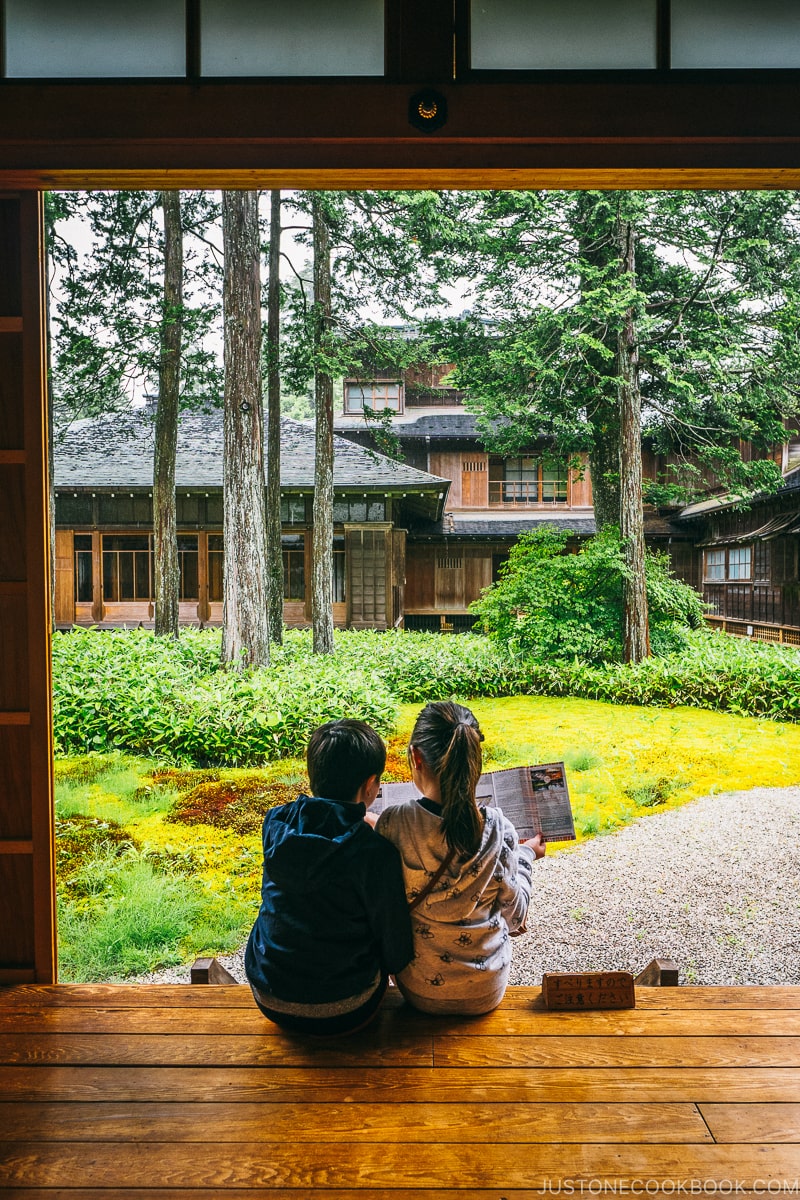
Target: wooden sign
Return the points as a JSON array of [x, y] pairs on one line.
[[587, 990]]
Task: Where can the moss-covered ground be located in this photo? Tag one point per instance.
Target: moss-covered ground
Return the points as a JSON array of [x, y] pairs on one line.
[[156, 865]]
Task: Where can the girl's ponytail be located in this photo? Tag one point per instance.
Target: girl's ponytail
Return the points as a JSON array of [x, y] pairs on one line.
[[449, 739]]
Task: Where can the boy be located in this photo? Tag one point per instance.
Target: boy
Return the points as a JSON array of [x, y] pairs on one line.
[[334, 920]]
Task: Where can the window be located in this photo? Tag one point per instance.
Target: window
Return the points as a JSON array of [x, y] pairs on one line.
[[739, 558], [715, 564], [734, 563], [554, 484], [521, 476], [527, 480], [83, 569], [349, 510], [294, 567], [375, 395], [307, 37], [339, 569], [92, 38], [187, 564], [215, 567], [74, 509], [563, 34], [293, 510], [122, 508], [127, 568]]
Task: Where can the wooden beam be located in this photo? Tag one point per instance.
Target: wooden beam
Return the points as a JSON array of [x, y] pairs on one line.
[[648, 129]]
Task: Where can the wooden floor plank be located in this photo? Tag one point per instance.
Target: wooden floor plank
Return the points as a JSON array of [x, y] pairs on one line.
[[239, 996], [460, 1051], [346, 1085], [368, 1193], [438, 1193], [502, 1022], [314, 1122], [448, 1051], [753, 1122], [271, 1165], [149, 995], [244, 1050]]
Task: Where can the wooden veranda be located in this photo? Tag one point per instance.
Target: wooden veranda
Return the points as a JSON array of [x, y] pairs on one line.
[[163, 1092]]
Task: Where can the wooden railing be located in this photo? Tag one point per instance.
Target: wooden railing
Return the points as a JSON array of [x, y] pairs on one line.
[[516, 492], [783, 634]]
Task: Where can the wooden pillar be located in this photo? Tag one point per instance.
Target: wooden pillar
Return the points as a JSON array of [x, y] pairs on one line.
[[97, 576], [203, 605], [65, 577], [27, 891]]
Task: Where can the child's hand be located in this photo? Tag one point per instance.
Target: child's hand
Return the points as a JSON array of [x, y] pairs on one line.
[[371, 818], [536, 844]]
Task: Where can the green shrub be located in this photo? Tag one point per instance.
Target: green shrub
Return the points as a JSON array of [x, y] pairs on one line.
[[713, 670], [148, 696], [549, 604], [172, 702]]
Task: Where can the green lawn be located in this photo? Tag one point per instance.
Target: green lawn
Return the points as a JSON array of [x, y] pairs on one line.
[[156, 867]]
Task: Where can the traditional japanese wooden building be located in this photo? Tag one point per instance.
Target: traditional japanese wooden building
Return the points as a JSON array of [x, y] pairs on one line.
[[492, 498], [746, 561], [104, 522]]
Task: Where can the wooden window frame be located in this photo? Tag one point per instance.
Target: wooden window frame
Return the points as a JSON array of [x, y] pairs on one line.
[[372, 384], [727, 577]]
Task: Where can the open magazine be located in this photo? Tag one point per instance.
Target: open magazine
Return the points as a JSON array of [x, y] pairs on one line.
[[535, 799]]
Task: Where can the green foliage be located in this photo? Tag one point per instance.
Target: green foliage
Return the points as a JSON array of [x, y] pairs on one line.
[[650, 793], [582, 760], [549, 604], [170, 700], [713, 303], [712, 671], [133, 918]]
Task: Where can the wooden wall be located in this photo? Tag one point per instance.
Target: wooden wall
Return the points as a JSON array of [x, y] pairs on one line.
[[445, 578], [27, 901]]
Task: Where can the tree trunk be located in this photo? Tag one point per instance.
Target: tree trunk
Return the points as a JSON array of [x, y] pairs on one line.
[[245, 634], [322, 533], [165, 530], [604, 464], [595, 232], [634, 592], [274, 552]]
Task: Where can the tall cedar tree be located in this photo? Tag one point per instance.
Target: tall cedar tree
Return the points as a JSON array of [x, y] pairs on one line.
[[245, 631], [273, 439], [166, 576], [322, 533], [122, 328], [591, 308], [367, 253]]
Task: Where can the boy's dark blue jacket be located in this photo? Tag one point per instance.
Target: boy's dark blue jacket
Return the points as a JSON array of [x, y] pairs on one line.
[[333, 904]]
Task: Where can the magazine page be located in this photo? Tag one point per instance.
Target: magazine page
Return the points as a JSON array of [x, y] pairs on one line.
[[513, 793], [393, 793], [535, 799], [551, 801]]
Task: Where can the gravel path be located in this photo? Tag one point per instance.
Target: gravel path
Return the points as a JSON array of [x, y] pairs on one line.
[[714, 885]]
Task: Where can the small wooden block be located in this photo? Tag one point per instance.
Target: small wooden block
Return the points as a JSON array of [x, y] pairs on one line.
[[565, 991]]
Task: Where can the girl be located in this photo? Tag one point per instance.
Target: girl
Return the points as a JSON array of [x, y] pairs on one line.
[[467, 876]]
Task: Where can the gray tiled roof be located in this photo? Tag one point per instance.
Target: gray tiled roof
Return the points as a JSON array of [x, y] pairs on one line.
[[440, 425], [510, 528], [118, 452]]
